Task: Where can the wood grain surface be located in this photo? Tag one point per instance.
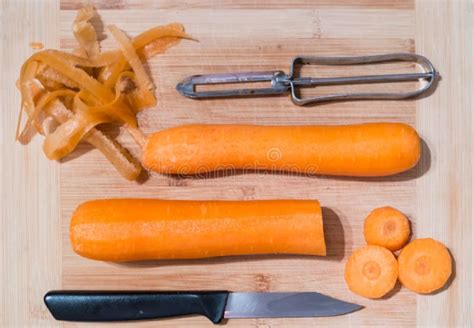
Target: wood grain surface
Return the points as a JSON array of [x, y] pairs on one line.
[[38, 196], [29, 202]]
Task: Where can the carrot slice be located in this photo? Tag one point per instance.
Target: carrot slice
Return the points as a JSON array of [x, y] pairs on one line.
[[424, 265], [387, 227], [371, 271]]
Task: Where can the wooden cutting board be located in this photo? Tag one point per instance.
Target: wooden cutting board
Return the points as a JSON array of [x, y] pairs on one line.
[[243, 36], [240, 36]]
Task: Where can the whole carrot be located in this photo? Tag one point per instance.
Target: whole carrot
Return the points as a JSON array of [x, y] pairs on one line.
[[365, 150], [146, 229]]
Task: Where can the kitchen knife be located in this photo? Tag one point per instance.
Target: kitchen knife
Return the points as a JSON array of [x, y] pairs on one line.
[[215, 305]]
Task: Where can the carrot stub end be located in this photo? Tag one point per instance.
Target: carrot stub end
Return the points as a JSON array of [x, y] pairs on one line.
[[424, 265], [371, 271], [387, 227]]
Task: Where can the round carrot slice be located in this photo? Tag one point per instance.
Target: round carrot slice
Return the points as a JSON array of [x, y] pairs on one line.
[[387, 227], [424, 265], [371, 271]]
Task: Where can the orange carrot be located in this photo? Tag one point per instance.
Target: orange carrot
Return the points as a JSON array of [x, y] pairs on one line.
[[424, 265], [387, 227], [371, 271], [376, 149], [145, 229]]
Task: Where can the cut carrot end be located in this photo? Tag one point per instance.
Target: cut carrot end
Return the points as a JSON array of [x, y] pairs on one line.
[[424, 265], [387, 227], [371, 271], [152, 229]]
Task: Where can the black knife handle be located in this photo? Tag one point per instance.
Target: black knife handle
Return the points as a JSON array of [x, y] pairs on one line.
[[134, 305]]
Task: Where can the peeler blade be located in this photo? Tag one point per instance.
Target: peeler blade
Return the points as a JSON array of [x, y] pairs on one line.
[[429, 75]]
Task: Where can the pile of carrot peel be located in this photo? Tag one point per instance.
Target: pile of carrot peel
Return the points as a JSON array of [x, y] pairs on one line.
[[67, 95]]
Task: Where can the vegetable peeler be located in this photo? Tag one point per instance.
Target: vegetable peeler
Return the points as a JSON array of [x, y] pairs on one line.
[[281, 83]]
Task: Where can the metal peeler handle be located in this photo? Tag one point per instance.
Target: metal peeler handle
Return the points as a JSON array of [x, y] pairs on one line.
[[429, 75], [187, 87]]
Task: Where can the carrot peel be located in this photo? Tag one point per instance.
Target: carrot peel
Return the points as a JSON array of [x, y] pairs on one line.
[[83, 89]]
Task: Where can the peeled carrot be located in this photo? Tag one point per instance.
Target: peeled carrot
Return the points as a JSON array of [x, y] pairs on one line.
[[146, 229], [371, 271], [424, 265], [387, 227], [374, 149]]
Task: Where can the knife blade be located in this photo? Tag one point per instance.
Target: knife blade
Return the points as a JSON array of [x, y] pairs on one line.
[[98, 306]]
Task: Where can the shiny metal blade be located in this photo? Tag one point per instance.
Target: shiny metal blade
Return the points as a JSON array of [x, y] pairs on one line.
[[285, 305]]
